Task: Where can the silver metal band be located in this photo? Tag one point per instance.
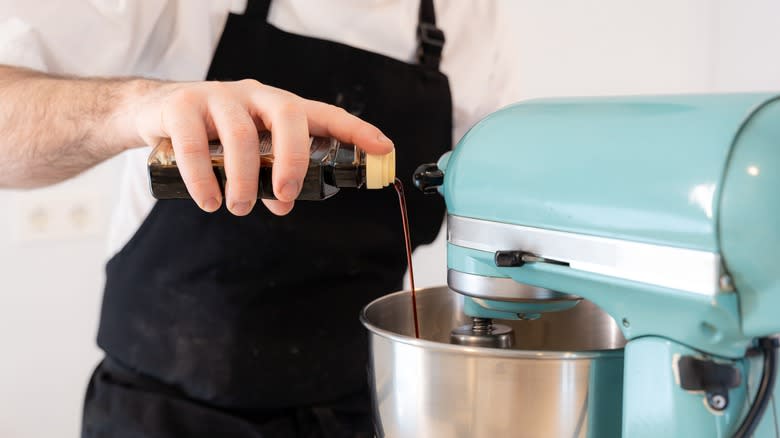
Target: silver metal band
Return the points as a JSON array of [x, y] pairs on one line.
[[676, 268], [502, 289]]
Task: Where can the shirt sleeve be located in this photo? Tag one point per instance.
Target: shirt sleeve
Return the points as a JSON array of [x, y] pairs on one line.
[[503, 83], [94, 37], [481, 61], [112, 37]]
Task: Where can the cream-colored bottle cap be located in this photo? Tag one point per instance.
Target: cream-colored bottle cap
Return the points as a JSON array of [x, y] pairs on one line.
[[380, 170]]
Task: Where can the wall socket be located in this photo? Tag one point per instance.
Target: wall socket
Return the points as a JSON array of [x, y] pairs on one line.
[[58, 216]]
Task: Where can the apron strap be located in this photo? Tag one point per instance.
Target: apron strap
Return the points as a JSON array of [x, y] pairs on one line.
[[257, 8], [430, 39]]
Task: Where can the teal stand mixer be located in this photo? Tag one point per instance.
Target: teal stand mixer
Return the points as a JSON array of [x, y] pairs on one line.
[[664, 212]]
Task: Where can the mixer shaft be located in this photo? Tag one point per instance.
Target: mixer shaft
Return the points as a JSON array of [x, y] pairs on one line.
[[483, 333]]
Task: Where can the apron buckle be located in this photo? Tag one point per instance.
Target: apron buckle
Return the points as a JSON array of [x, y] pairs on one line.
[[430, 44]]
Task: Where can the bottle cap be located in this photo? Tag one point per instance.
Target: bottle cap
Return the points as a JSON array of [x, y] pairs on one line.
[[380, 170]]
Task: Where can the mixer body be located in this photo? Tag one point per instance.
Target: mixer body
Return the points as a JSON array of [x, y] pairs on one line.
[[662, 211]]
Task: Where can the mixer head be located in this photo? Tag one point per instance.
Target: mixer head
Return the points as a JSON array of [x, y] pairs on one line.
[[661, 210]]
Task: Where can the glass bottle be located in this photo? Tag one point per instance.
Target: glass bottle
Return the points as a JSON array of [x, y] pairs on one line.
[[332, 165]]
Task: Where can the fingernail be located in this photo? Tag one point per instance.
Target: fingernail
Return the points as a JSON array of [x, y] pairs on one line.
[[211, 205], [289, 191], [240, 208], [383, 139]]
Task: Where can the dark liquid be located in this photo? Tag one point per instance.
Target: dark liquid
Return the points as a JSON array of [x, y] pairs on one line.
[[399, 188]]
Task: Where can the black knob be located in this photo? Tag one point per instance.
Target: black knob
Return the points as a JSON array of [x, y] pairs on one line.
[[509, 259], [428, 177]]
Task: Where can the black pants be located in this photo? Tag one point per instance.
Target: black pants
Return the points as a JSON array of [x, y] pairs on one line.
[[122, 404]]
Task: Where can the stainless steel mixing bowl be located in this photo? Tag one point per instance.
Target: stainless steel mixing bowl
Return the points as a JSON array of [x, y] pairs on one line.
[[563, 377]]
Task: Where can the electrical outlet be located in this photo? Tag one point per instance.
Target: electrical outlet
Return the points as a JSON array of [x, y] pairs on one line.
[[58, 216]]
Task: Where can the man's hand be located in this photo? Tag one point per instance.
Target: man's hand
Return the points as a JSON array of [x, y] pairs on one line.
[[189, 114], [53, 128]]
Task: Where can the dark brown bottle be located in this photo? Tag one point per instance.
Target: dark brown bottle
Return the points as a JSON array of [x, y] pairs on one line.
[[332, 165]]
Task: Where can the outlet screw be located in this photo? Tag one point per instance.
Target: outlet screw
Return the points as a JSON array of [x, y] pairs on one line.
[[726, 283], [717, 401]]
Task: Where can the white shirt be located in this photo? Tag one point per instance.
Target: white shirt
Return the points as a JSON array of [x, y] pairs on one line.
[[175, 40]]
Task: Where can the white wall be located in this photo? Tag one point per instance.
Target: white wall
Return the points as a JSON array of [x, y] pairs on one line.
[[50, 288], [52, 246]]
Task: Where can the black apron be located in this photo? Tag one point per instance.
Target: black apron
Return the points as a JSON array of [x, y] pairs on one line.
[[216, 325]]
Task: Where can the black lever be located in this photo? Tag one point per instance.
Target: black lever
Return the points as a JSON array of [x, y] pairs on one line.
[[715, 379], [428, 177], [516, 259]]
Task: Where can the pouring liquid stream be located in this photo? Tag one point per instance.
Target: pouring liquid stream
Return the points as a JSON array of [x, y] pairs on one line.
[[399, 188]]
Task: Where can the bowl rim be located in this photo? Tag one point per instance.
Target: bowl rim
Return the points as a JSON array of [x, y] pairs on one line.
[[476, 351]]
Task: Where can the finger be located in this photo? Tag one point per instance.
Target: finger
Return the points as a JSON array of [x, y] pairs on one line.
[[182, 121], [279, 208], [238, 135], [332, 121], [284, 115]]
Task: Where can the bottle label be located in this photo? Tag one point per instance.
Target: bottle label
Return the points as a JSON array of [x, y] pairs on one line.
[[217, 150], [265, 144]]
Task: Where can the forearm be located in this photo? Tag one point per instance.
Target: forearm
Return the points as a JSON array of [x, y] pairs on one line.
[[52, 128]]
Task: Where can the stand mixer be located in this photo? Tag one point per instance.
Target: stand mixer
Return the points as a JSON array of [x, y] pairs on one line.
[[662, 211]]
